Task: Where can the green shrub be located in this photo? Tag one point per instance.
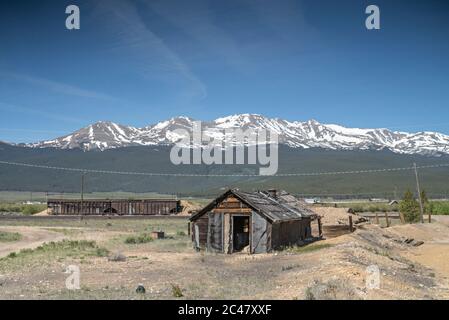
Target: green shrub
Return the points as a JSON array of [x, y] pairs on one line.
[[5, 207], [9, 236], [101, 252], [176, 291], [309, 294], [27, 209], [142, 238], [33, 209], [70, 244], [65, 248], [439, 207]]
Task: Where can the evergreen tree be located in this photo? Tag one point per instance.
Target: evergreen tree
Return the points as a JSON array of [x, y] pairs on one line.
[[409, 207]]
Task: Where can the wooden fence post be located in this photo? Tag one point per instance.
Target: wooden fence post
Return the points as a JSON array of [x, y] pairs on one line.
[[377, 218], [386, 218], [188, 229], [401, 216], [350, 224], [320, 228]]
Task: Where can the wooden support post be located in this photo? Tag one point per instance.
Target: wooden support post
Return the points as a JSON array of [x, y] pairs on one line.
[[401, 216], [82, 196], [430, 217], [421, 207], [320, 227], [188, 229], [377, 218], [350, 224], [386, 219]]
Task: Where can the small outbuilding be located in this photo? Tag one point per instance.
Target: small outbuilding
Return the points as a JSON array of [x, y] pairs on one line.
[[253, 222]]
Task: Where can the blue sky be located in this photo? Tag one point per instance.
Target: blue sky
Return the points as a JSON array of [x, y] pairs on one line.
[[137, 62]]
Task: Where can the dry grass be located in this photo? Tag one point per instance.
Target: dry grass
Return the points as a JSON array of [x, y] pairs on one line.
[[53, 251], [334, 289], [9, 236], [308, 248], [171, 269]]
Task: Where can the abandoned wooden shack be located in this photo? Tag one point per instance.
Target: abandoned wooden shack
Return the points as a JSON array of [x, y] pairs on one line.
[[255, 222], [114, 207]]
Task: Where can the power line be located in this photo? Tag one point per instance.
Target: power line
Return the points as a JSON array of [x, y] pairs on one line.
[[343, 194], [160, 174]]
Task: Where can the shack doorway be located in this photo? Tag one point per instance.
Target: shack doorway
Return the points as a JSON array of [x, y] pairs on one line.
[[240, 233]]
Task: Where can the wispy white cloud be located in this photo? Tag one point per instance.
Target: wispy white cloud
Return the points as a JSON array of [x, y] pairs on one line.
[[287, 20], [196, 19], [32, 131], [58, 87], [144, 47], [6, 107]]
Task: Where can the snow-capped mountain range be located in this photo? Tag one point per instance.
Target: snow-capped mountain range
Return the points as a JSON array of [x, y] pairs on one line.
[[296, 134]]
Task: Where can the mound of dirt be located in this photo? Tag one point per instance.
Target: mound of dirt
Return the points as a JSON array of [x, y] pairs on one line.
[[42, 213], [333, 216], [188, 208]]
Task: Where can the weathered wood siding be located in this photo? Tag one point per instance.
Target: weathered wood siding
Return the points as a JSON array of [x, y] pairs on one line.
[[222, 213], [259, 233], [214, 229], [215, 233], [120, 207], [202, 226], [232, 205], [290, 233], [227, 232]]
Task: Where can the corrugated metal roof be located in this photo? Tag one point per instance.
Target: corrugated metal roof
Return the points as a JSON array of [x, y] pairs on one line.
[[280, 207], [283, 206]]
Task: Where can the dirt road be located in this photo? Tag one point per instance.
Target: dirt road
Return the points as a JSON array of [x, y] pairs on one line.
[[32, 237]]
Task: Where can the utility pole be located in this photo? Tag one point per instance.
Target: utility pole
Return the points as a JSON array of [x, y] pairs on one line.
[[419, 193], [82, 194]]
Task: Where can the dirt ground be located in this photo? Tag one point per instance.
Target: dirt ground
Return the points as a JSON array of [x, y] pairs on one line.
[[31, 238], [332, 216], [336, 268]]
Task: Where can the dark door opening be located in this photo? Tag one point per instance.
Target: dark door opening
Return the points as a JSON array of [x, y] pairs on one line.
[[240, 233]]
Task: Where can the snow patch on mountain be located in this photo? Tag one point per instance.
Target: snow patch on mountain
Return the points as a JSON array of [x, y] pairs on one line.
[[310, 134]]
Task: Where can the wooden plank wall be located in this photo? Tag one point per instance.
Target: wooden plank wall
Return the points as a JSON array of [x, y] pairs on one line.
[[202, 223], [230, 205], [122, 207], [289, 232]]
